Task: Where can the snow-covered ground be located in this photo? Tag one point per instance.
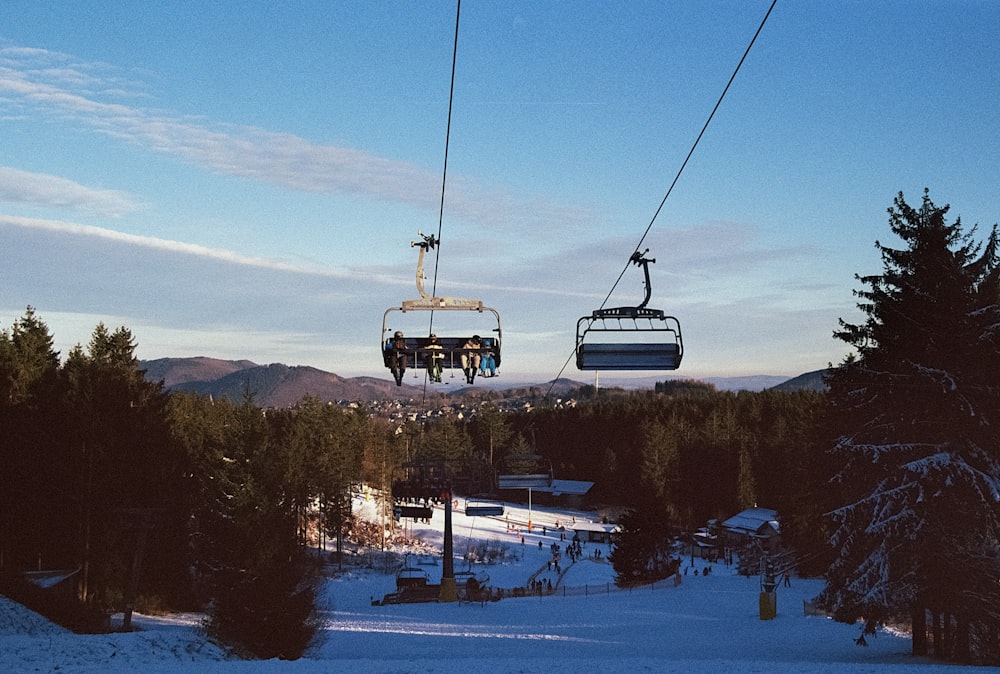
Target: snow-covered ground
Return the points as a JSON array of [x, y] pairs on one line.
[[705, 624]]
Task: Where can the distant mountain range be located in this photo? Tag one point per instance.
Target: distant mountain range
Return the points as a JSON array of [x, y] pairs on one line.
[[274, 385], [810, 381], [278, 385]]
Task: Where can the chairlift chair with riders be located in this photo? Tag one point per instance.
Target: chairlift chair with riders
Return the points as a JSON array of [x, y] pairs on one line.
[[400, 352], [629, 338]]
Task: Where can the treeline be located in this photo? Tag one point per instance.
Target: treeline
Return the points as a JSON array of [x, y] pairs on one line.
[[104, 474], [96, 460], [86, 446], [701, 453], [690, 451]]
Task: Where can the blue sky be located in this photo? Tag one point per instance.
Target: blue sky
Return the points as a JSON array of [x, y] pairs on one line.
[[242, 180]]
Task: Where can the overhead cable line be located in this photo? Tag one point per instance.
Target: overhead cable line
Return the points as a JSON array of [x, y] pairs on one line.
[[693, 147], [447, 140], [444, 170], [684, 164]]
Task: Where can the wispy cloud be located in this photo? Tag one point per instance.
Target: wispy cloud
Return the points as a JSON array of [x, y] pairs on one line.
[[153, 243], [63, 71], [39, 189], [34, 81]]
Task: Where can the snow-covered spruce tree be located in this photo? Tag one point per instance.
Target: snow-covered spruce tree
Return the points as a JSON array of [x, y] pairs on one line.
[[915, 418]]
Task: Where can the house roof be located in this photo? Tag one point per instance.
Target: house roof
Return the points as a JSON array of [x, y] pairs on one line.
[[754, 522]]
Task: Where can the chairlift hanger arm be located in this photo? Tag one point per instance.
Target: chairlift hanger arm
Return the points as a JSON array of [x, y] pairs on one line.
[[431, 302], [428, 243], [640, 311], [638, 259]]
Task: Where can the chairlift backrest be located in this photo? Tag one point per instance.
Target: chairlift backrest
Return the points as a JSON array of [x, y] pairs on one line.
[[451, 348], [627, 357], [484, 510]]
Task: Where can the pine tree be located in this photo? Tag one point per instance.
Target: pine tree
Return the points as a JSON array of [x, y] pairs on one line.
[[659, 469], [644, 550], [325, 446], [34, 498], [28, 362], [263, 588], [913, 415], [492, 432], [123, 462]]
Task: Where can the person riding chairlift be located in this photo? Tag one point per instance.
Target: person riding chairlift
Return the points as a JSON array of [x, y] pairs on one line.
[[435, 359], [471, 358], [488, 364], [397, 356]]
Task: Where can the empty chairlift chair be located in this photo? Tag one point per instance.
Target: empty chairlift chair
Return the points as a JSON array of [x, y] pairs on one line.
[[629, 338]]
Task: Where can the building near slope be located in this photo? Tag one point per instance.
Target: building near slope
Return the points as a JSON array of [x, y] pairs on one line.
[[703, 543], [753, 525], [594, 532]]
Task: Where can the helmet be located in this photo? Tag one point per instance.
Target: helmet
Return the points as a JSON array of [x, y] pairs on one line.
[[475, 338], [433, 336]]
